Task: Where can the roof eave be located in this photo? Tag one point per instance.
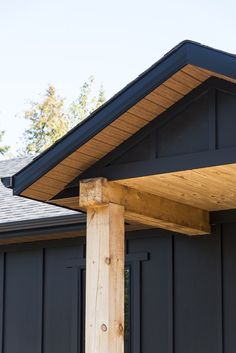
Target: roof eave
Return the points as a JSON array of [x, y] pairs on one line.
[[185, 53]]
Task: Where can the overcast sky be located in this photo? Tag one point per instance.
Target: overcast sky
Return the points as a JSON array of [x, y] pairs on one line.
[[63, 42]]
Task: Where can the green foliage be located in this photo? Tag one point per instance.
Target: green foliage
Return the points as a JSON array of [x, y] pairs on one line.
[[3, 148], [85, 104], [47, 122]]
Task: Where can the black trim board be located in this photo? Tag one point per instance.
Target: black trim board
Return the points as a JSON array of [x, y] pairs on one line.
[[225, 216], [187, 52], [167, 164]]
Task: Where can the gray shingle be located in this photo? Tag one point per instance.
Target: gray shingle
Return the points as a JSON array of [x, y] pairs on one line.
[[15, 208]]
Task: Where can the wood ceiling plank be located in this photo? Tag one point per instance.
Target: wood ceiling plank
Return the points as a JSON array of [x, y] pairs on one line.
[[78, 156], [96, 150], [126, 126], [162, 101], [113, 136], [168, 93], [132, 119], [177, 86], [186, 79], [175, 192], [212, 188], [36, 194], [146, 110], [195, 72]]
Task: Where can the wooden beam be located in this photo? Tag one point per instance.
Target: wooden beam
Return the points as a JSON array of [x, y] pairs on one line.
[[145, 208], [105, 279]]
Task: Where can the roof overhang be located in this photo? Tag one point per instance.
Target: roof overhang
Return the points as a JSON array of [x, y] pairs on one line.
[[162, 85]]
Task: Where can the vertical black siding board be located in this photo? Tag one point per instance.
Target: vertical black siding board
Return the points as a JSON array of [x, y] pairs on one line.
[[226, 123], [171, 291], [136, 305], [61, 300], [217, 233], [155, 282], [153, 150], [212, 119], [43, 296], [22, 319], [229, 286], [196, 298], [2, 298]]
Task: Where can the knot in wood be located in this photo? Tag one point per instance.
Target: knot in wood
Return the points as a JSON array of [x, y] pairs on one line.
[[108, 260], [121, 329], [104, 327]]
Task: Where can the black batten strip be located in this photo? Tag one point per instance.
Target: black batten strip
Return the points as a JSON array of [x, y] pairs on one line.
[[3, 293], [212, 120]]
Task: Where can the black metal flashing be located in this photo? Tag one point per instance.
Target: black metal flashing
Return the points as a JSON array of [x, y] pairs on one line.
[[187, 52]]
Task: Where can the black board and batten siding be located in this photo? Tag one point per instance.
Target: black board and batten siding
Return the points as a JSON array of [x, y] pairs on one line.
[[182, 294]]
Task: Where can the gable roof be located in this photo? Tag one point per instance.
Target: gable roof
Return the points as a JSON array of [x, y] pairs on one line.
[[180, 71], [15, 209]]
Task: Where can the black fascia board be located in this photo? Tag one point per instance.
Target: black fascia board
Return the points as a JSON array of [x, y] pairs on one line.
[[187, 52], [167, 164]]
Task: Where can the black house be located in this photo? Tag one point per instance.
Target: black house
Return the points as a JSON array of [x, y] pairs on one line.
[[154, 169]]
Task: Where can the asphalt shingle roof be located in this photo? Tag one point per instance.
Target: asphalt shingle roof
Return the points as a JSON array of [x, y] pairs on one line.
[[15, 208]]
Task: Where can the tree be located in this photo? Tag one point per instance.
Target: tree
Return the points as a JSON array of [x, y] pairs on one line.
[[47, 122], [85, 104], [3, 148]]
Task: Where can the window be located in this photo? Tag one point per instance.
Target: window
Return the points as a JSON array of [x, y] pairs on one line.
[[132, 333]]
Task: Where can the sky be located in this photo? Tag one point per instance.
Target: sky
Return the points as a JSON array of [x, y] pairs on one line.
[[63, 42]]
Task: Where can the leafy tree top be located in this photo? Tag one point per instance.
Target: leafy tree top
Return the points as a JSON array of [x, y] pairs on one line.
[[49, 119], [3, 148]]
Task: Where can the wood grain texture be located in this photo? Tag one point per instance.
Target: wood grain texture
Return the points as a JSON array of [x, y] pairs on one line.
[[145, 208], [212, 188], [105, 280]]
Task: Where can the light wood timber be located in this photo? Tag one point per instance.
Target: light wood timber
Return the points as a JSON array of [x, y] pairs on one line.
[[144, 208], [105, 279]]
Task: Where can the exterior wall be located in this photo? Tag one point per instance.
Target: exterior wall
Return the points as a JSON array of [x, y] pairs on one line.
[[182, 294]]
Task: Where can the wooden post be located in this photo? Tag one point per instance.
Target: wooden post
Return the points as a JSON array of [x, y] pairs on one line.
[[105, 279]]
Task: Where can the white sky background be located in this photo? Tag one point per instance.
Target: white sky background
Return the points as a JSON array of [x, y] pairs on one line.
[[63, 42]]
